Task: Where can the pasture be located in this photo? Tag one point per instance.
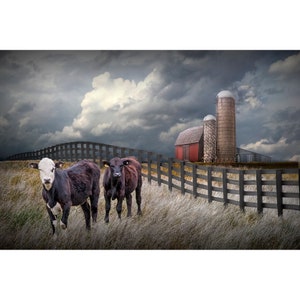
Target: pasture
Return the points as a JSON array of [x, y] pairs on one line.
[[170, 220]]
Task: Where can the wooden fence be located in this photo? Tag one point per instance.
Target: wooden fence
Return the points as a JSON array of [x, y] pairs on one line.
[[258, 188], [75, 151]]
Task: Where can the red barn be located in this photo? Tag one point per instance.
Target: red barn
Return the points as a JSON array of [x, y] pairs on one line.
[[189, 144]]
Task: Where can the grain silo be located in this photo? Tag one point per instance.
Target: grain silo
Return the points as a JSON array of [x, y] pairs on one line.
[[226, 134], [210, 138]]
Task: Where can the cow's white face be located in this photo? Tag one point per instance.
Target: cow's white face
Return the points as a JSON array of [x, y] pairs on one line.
[[47, 172]]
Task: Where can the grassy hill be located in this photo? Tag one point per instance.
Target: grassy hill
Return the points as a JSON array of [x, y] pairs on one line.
[[169, 221]]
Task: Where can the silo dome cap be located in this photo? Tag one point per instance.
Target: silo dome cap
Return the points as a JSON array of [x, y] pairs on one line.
[[209, 117], [225, 94]]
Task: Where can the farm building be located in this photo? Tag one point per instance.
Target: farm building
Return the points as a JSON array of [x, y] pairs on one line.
[[215, 141], [210, 138], [189, 144], [226, 132]]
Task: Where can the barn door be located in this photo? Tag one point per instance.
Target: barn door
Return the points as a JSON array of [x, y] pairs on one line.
[[186, 152]]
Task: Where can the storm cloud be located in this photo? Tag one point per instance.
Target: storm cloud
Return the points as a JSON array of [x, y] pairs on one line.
[[143, 99]]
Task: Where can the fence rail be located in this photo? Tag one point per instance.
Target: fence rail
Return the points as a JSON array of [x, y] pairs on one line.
[[258, 188]]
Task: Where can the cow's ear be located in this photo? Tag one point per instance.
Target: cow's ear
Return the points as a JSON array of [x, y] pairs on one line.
[[59, 164], [126, 162], [105, 163], [33, 165]]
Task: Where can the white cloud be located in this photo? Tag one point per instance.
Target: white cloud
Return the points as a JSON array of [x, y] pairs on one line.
[[248, 99], [265, 146], [67, 134], [116, 105], [295, 158], [288, 66], [253, 102], [24, 121], [100, 107], [100, 128], [68, 131], [244, 87], [107, 93]]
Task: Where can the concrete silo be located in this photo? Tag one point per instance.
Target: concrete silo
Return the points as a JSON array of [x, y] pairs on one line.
[[210, 138], [226, 133]]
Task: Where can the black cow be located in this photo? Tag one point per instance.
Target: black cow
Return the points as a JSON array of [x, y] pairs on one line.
[[121, 178], [69, 187]]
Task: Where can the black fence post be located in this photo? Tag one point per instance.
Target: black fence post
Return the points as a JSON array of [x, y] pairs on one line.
[[100, 155], [132, 153], [194, 170], [140, 156], [299, 182], [259, 192], [224, 178], [66, 156], [46, 152], [279, 192], [182, 177], [81, 150], [149, 166], [87, 151], [123, 152], [65, 152], [241, 190], [93, 149], [158, 158], [61, 152], [170, 166], [114, 151], [76, 151], [58, 154], [209, 185], [107, 156], [72, 151]]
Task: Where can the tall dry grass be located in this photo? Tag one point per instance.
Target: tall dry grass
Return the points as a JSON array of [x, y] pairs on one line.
[[169, 221]]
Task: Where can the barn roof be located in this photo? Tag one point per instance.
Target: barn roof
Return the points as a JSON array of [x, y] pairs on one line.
[[189, 136]]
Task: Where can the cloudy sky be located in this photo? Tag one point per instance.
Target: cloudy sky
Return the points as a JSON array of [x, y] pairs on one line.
[[143, 99]]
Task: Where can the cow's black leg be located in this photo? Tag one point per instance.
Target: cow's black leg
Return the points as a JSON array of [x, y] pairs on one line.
[[119, 206], [94, 206], [138, 199], [107, 208], [65, 215], [129, 202], [87, 214], [53, 220]]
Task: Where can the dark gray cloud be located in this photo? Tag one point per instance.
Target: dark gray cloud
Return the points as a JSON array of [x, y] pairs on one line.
[[285, 123], [143, 99]]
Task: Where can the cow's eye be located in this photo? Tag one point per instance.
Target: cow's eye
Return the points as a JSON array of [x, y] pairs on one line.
[[52, 170]]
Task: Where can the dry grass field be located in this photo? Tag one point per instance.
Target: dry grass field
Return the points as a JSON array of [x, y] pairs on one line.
[[169, 221]]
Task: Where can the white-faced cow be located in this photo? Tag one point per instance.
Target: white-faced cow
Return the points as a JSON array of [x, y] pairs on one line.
[[121, 178], [69, 187]]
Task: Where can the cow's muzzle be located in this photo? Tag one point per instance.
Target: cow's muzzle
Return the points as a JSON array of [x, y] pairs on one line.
[[47, 181], [48, 186]]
